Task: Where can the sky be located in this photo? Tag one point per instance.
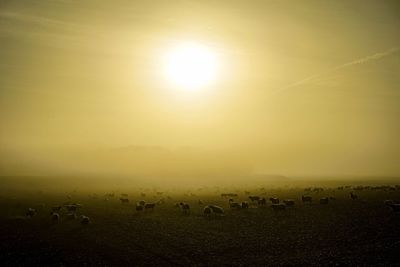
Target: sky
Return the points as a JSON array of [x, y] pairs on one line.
[[304, 88]]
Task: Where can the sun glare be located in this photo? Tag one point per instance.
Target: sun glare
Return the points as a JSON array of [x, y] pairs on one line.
[[190, 66]]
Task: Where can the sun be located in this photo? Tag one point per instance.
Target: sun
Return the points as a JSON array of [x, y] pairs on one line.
[[190, 66]]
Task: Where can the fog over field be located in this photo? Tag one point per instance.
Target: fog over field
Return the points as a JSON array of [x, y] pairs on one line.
[[199, 133]]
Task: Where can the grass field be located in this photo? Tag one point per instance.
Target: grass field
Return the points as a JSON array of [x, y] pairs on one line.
[[344, 232]]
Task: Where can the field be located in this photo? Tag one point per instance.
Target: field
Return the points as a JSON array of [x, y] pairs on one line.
[[357, 232]]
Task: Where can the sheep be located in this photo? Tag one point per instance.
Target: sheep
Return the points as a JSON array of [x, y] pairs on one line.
[[353, 196], [278, 207], [142, 202], [85, 220], [149, 206], [56, 208], [229, 195], [207, 211], [306, 198], [254, 198], [139, 207], [71, 216], [55, 217], [289, 202], [324, 201], [245, 205], [274, 200], [216, 209], [234, 205], [31, 212], [185, 208], [72, 207], [262, 202], [124, 200]]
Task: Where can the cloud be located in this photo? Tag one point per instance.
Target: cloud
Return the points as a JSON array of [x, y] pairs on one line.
[[359, 61]]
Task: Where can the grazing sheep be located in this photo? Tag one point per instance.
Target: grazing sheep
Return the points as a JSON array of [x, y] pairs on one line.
[[55, 217], [254, 198], [31, 212], [56, 208], [139, 207], [185, 208], [124, 200], [234, 205], [262, 202], [229, 195], [353, 196], [289, 202], [216, 209], [71, 216], [245, 205], [324, 200], [85, 220], [278, 207], [306, 199], [72, 207], [274, 200], [142, 202], [149, 206], [207, 211]]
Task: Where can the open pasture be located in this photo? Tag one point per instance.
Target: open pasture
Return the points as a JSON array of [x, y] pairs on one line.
[[346, 231]]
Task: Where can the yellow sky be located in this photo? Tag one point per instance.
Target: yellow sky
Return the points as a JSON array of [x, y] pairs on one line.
[[305, 86]]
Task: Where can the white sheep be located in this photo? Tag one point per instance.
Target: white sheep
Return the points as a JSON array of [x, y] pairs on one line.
[[207, 211], [55, 217], [31, 212], [274, 200], [124, 200], [234, 205], [216, 209], [306, 199], [149, 206], [185, 208], [289, 202], [324, 200], [85, 220]]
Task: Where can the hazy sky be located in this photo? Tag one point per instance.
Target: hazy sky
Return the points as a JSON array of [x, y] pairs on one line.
[[306, 87]]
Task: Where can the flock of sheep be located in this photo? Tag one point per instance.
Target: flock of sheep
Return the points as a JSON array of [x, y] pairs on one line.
[[69, 211]]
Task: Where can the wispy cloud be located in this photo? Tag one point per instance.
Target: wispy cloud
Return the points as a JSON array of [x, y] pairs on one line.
[[319, 75]]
